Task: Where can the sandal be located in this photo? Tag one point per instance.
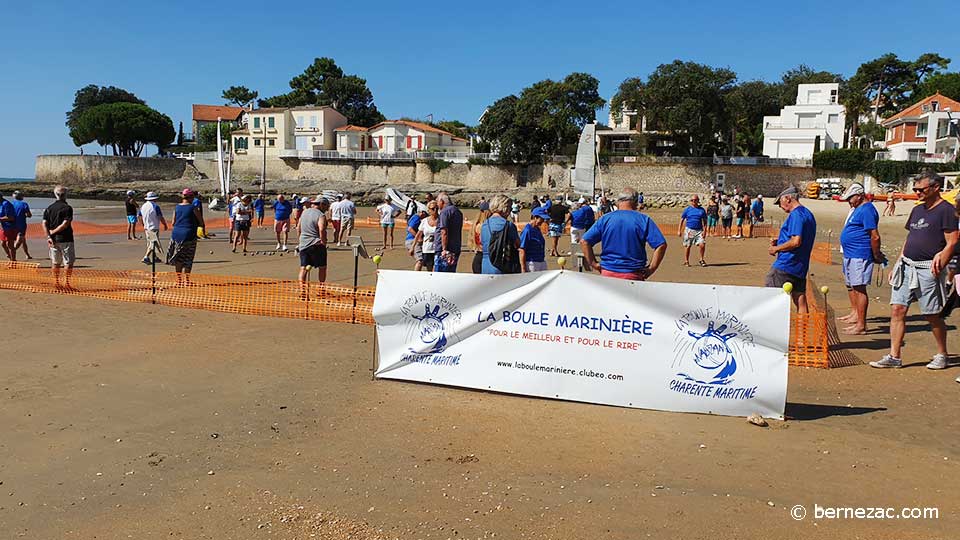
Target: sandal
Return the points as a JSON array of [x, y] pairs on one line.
[[703, 263], [687, 264]]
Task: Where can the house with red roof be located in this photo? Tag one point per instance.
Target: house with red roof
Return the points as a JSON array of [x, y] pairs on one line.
[[395, 136], [208, 114], [924, 131]]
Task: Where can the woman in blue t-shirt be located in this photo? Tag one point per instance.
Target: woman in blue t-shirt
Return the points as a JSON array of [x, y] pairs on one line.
[[183, 238], [533, 246], [500, 209]]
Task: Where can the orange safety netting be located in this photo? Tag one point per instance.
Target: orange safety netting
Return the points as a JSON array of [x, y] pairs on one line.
[[227, 294], [813, 336]]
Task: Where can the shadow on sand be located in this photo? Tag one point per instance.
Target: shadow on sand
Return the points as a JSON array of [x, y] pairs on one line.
[[810, 411]]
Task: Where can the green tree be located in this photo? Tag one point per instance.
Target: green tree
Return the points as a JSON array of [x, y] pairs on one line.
[[207, 134], [456, 127], [687, 99], [886, 83], [324, 83], [125, 127], [926, 65], [545, 117], [180, 135], [92, 95], [947, 84], [746, 105], [239, 95], [630, 96]]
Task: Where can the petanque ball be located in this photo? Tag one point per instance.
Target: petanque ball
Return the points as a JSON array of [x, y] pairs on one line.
[[211, 252], [788, 287]]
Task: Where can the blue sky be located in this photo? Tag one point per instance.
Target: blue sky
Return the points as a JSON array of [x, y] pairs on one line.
[[448, 61]]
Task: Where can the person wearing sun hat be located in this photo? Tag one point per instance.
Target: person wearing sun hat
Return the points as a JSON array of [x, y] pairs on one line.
[[860, 245], [151, 218], [792, 248]]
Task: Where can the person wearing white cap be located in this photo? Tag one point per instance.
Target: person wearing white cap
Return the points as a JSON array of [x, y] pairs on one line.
[[860, 242], [151, 218], [130, 205], [792, 248], [581, 219]]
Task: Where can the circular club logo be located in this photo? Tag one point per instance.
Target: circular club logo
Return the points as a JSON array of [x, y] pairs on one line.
[[430, 320]]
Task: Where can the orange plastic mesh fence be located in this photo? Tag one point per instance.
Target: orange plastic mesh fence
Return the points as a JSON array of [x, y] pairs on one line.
[[227, 294], [813, 336], [86, 228]]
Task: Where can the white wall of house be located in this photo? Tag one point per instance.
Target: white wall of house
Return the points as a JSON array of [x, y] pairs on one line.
[[794, 132], [315, 127]]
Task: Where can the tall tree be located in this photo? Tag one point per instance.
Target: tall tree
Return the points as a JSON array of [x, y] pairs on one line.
[[545, 117], [885, 82], [239, 95], [125, 127], [924, 66], [630, 96], [93, 95], [687, 99], [947, 84], [746, 105], [324, 83]]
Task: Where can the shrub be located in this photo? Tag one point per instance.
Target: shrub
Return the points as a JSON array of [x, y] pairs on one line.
[[844, 159], [437, 165]]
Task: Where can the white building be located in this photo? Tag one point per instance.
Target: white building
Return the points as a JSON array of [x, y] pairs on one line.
[[395, 136], [315, 127], [816, 119]]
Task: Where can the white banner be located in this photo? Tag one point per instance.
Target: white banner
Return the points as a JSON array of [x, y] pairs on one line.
[[581, 337]]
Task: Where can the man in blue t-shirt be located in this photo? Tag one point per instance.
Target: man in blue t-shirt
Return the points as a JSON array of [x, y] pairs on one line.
[[282, 209], [21, 211], [258, 205], [580, 220], [792, 248], [756, 210], [624, 236], [413, 226], [860, 242], [8, 228], [690, 229]]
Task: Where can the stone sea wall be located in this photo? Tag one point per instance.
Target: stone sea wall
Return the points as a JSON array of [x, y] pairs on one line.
[[97, 176]]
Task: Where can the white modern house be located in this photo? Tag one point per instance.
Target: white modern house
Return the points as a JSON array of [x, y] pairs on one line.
[[816, 122], [925, 131]]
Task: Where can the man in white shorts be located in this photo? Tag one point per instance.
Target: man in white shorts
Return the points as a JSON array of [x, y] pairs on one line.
[[691, 229]]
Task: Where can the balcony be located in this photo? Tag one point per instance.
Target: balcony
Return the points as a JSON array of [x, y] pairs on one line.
[[778, 125], [916, 156]]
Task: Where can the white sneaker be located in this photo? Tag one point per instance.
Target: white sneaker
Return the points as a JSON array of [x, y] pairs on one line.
[[284, 248], [958, 379], [939, 362], [887, 362], [277, 248]]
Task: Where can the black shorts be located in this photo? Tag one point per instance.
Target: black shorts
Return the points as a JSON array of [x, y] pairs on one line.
[[315, 256], [727, 221], [241, 225], [428, 260], [776, 278]]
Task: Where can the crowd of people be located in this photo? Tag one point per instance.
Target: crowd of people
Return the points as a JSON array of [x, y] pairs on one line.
[[925, 271]]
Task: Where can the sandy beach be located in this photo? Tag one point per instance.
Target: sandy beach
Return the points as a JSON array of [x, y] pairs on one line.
[[139, 421]]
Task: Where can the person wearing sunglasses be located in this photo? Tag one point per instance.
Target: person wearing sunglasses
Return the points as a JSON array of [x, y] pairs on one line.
[[918, 274]]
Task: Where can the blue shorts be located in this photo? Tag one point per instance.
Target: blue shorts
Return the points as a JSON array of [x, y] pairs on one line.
[[556, 229], [441, 265], [131, 219], [857, 272]]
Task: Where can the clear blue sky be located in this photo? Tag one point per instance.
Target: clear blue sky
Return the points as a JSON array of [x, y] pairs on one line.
[[450, 59]]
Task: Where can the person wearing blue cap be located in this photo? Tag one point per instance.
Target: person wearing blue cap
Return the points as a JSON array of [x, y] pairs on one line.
[[533, 247]]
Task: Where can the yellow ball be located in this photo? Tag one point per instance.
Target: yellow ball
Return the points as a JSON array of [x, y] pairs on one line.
[[377, 259], [824, 289], [308, 267], [562, 261], [788, 287]]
